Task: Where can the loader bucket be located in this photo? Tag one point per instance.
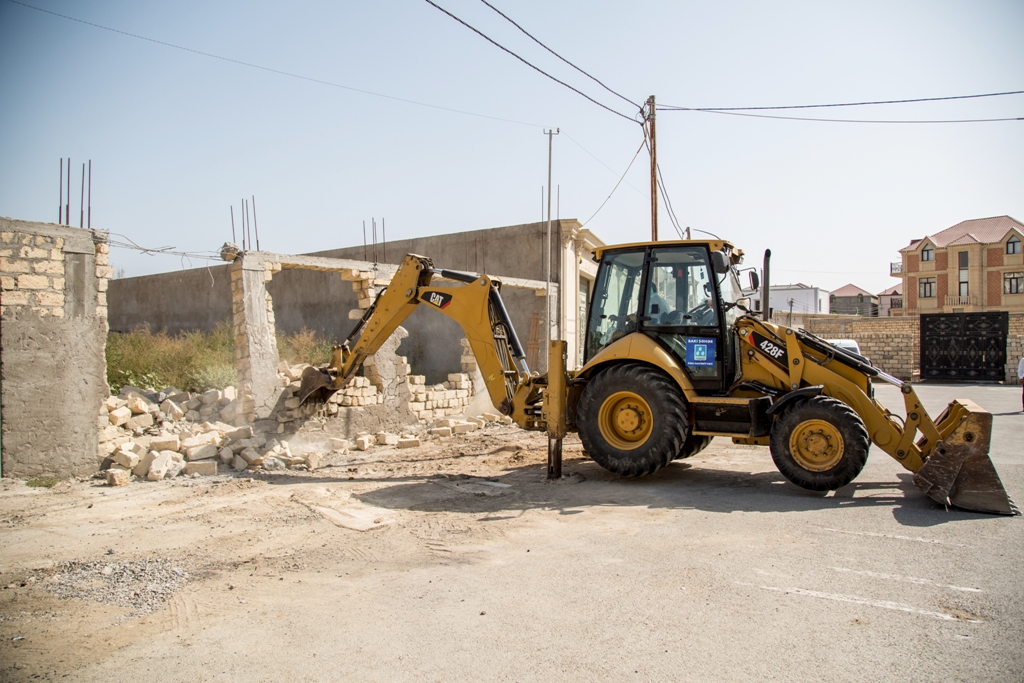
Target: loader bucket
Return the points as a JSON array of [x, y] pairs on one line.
[[959, 471], [313, 384]]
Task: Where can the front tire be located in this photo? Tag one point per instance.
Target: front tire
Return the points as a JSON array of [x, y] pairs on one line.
[[632, 419], [820, 444]]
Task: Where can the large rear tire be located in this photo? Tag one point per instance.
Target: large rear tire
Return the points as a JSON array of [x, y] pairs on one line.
[[693, 445], [632, 419], [820, 444]]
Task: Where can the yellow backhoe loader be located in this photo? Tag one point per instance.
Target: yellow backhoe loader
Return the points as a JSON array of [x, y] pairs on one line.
[[674, 357]]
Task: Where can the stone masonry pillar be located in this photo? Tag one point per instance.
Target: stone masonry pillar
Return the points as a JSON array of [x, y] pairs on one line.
[[256, 356]]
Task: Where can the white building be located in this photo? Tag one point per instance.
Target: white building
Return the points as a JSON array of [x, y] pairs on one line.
[[800, 298]]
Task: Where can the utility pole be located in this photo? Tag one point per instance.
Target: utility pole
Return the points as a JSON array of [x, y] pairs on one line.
[[649, 124], [790, 323], [547, 250]]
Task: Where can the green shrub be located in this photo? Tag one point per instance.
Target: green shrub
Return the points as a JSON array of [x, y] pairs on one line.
[[42, 482], [194, 361]]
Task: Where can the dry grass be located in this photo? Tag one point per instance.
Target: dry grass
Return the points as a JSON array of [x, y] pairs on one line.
[[194, 361]]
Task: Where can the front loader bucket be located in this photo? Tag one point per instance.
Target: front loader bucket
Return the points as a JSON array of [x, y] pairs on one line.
[[313, 381], [959, 471]]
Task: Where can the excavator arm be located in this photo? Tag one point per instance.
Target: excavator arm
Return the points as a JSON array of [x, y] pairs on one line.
[[475, 303]]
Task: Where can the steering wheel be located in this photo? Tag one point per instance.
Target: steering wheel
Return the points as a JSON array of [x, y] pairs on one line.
[[701, 315]]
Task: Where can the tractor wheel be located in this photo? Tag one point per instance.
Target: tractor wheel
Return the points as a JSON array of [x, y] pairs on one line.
[[632, 419], [692, 446], [820, 444]]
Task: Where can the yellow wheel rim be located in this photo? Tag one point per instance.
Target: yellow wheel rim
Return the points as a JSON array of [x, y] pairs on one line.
[[816, 445], [625, 420]]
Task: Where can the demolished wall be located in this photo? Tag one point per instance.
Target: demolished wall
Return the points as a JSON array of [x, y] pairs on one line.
[[53, 328]]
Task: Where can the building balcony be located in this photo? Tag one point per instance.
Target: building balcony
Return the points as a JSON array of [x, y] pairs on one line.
[[961, 301], [896, 268]]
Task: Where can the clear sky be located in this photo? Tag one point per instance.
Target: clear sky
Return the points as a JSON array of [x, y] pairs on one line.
[[176, 138]]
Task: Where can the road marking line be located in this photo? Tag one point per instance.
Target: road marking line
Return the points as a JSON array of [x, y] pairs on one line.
[[899, 538], [910, 579], [882, 604]]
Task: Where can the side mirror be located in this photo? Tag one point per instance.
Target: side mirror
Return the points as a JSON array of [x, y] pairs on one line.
[[720, 262], [755, 281]]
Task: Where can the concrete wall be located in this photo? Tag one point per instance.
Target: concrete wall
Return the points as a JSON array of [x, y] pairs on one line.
[[200, 298], [53, 328]]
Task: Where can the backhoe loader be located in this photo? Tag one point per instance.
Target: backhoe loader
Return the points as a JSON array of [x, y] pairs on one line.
[[673, 356]]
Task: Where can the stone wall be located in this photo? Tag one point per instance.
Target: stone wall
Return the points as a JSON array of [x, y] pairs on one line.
[[53, 317]]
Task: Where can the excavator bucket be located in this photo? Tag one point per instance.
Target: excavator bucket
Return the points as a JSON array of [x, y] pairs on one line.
[[959, 471], [314, 383]]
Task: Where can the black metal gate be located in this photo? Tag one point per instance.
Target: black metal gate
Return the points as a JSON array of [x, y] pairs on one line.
[[964, 346]]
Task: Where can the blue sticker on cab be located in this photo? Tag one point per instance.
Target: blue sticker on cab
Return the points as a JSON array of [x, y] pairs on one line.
[[700, 351]]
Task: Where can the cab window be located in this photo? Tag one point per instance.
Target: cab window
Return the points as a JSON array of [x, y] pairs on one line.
[[613, 311], [679, 289]]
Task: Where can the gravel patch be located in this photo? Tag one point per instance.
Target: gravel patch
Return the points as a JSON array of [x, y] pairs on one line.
[[141, 585]]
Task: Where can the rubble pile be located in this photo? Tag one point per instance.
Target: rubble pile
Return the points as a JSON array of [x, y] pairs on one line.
[[440, 400]]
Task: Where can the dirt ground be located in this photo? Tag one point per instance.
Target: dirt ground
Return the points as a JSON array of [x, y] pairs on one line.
[[458, 561]]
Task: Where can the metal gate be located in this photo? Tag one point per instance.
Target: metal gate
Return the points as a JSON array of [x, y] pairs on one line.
[[964, 346]]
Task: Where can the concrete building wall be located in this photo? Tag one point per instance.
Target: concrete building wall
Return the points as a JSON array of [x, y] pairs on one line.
[[200, 298], [53, 328]]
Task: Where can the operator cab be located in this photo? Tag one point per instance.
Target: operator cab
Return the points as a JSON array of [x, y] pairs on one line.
[[681, 294]]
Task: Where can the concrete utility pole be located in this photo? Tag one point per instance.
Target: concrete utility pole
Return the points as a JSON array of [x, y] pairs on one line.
[[654, 168], [547, 249]]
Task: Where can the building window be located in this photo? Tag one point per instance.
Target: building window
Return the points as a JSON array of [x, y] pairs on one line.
[[964, 259], [927, 254], [926, 288], [1013, 283], [860, 299], [1013, 245]]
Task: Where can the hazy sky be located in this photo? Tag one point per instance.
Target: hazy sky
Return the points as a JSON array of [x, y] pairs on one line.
[[176, 138]]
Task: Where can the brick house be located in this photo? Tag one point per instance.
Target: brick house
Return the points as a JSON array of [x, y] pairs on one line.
[[974, 266], [852, 300]]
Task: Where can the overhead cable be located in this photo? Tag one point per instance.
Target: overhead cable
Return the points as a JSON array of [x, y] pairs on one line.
[[530, 36], [532, 66], [806, 118], [277, 71], [638, 150], [844, 104], [598, 160]]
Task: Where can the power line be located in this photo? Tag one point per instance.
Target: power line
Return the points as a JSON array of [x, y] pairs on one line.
[[598, 160], [844, 104], [275, 71], [506, 17], [532, 66], [638, 150], [805, 118]]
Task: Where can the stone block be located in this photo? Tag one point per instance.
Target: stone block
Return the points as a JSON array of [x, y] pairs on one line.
[[117, 477], [113, 403], [206, 468], [364, 442], [177, 466], [125, 458], [238, 464], [141, 469], [204, 452], [138, 405], [464, 428], [226, 455], [409, 443], [160, 465], [479, 422], [33, 282], [386, 439], [491, 417], [239, 434], [192, 404], [447, 423], [230, 393], [340, 444], [211, 396], [209, 437], [120, 415], [193, 416], [440, 431], [273, 463], [140, 421], [249, 455], [314, 461], [165, 442], [172, 410]]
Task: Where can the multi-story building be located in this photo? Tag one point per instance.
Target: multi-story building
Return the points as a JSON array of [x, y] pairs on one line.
[[974, 266], [890, 299], [852, 300], [798, 298]]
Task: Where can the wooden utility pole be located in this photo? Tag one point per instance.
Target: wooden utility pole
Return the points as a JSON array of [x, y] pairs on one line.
[[649, 123], [547, 256]]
